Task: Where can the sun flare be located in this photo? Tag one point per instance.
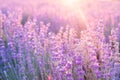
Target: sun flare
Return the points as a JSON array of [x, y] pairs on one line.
[[71, 3]]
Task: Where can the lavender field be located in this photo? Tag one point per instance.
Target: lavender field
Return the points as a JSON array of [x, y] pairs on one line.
[[59, 40]]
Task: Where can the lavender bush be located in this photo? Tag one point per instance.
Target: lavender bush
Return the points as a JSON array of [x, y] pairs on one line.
[[40, 47]]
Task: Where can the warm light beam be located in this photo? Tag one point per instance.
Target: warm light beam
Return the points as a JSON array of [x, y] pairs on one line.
[[70, 3]]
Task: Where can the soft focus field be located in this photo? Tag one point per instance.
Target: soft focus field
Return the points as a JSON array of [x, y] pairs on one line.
[[59, 40]]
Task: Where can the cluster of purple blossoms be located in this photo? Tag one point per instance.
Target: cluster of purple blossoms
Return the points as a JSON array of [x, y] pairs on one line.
[[29, 50]]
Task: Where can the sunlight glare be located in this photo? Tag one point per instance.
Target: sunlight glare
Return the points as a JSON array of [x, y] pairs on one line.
[[70, 3]]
